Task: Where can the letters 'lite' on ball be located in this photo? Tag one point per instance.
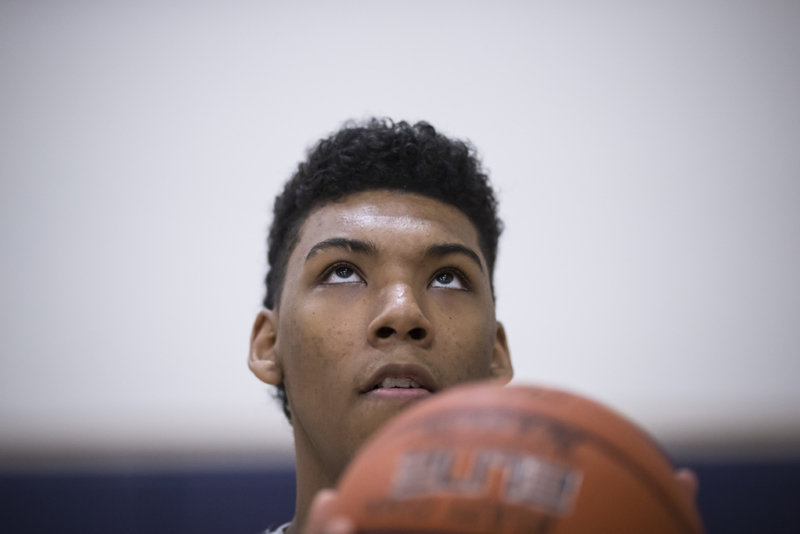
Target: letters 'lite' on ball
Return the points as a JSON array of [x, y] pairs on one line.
[[482, 459]]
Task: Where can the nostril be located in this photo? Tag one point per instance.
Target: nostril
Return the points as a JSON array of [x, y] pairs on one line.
[[417, 333], [384, 332]]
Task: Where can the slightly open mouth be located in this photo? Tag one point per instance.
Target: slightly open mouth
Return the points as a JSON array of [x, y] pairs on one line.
[[398, 383]]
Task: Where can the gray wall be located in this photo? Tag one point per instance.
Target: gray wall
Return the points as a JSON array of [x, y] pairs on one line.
[[647, 157]]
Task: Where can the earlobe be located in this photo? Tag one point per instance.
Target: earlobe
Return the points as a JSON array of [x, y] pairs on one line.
[[263, 349], [502, 370]]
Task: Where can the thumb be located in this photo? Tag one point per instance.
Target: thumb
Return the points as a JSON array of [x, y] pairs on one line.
[[326, 515]]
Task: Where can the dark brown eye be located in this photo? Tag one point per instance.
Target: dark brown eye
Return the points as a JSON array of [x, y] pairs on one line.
[[449, 280], [341, 274], [445, 278]]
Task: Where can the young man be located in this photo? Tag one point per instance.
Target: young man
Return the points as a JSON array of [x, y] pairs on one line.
[[379, 293]]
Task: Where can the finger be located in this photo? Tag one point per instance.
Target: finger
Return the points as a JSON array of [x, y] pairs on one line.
[[326, 516], [687, 480]]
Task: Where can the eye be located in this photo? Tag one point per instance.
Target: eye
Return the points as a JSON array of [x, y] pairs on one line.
[[342, 274], [450, 280]]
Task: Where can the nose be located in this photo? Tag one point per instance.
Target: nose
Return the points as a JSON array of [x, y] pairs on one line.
[[400, 318]]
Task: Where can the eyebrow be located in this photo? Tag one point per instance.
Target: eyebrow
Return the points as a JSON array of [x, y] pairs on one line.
[[438, 250], [445, 249], [343, 243]]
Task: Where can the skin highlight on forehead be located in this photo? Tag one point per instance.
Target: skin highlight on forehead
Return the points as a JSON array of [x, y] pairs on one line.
[[367, 217]]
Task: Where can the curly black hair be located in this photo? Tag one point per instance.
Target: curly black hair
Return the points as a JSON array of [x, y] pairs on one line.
[[380, 154]]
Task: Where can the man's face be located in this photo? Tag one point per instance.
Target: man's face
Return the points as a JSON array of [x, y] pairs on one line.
[[383, 291]]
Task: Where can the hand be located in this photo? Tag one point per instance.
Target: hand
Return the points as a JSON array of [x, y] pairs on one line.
[[326, 516]]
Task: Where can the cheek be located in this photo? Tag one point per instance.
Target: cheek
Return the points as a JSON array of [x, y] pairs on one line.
[[314, 352], [471, 340]]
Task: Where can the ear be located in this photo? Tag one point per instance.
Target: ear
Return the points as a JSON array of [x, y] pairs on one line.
[[502, 369], [263, 344]]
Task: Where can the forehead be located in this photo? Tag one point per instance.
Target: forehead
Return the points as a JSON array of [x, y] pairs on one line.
[[394, 216]]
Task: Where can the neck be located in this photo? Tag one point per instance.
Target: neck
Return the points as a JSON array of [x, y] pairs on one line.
[[311, 477]]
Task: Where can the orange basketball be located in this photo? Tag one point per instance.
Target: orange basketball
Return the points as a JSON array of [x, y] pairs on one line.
[[482, 459]]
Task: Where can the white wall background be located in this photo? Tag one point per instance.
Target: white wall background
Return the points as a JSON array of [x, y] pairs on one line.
[[647, 157]]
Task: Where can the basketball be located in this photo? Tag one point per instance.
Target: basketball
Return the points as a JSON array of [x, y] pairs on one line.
[[480, 459]]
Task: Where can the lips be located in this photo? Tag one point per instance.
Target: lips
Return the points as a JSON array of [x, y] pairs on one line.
[[401, 377]]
